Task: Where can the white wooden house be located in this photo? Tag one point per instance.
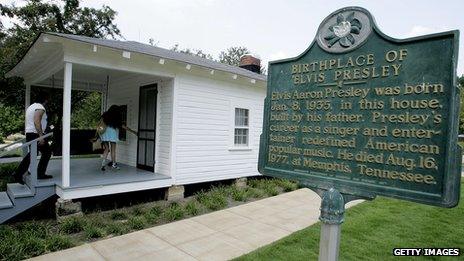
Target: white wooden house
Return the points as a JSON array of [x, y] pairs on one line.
[[198, 120]]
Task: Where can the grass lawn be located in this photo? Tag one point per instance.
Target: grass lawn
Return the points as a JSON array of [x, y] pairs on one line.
[[27, 239], [372, 229]]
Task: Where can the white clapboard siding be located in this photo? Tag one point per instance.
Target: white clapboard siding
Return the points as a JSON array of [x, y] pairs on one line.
[[126, 92], [204, 129]]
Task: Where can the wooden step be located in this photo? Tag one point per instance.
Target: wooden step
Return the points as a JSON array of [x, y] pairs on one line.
[[5, 201], [16, 190]]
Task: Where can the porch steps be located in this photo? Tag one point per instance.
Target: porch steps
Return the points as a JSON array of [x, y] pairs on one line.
[[19, 198], [16, 190], [40, 182], [5, 201]]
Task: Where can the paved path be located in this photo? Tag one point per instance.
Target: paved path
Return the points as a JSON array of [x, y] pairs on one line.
[[220, 235]]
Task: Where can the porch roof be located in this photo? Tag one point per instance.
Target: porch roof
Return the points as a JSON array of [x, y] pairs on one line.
[[136, 47]]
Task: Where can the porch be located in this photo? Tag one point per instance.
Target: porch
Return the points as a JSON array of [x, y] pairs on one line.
[[87, 180]]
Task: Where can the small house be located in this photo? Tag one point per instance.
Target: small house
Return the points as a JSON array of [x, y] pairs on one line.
[[197, 120]]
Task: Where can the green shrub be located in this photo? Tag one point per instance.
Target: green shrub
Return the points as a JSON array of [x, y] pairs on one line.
[[11, 120], [136, 223], [34, 229], [138, 211], [72, 225], [6, 174], [153, 214], [254, 193], [238, 194], [57, 242], [29, 246], [192, 208], [214, 199], [271, 189], [117, 228], [269, 186], [93, 231], [174, 212], [287, 185], [118, 215], [155, 210], [254, 183]]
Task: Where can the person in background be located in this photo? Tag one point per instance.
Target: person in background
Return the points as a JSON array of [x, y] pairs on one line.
[[108, 129], [35, 126]]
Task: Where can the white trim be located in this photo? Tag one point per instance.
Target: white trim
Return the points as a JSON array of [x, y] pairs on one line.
[[85, 192], [66, 135], [28, 96], [159, 85], [126, 54], [242, 105], [116, 66], [238, 148], [175, 83]]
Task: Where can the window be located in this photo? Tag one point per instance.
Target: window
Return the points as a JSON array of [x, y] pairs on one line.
[[123, 132], [241, 128]]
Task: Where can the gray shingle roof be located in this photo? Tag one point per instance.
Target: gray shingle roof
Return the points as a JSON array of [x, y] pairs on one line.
[[137, 47]]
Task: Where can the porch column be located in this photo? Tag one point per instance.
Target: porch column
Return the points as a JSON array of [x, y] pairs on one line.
[[28, 95], [65, 163]]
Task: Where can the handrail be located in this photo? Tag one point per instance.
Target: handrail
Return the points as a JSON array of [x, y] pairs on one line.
[[39, 138], [4, 152], [11, 144]]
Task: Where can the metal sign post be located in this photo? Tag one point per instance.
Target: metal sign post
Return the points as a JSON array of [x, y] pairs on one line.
[[332, 217]]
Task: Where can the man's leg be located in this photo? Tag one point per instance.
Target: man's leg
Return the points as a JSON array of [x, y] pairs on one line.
[[22, 168], [46, 153], [24, 165]]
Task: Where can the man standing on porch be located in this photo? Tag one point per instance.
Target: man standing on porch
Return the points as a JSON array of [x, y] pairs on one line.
[[35, 125]]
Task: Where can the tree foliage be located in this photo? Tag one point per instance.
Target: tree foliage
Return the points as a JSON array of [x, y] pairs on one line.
[[10, 121], [88, 114], [27, 21], [232, 55], [196, 52]]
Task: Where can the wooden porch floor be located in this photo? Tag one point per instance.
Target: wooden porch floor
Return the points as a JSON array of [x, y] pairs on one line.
[[86, 172]]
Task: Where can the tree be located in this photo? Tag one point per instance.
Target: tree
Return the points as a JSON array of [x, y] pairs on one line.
[[36, 16], [232, 55], [196, 52]]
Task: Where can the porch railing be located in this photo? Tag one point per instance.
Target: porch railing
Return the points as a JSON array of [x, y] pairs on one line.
[[31, 148]]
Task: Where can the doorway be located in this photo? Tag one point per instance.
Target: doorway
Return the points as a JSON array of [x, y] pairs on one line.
[[147, 127]]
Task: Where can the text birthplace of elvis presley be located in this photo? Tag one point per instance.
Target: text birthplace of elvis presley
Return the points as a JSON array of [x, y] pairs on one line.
[[366, 113]]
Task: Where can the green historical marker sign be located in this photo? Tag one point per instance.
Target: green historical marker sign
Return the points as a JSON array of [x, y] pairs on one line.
[[366, 114]]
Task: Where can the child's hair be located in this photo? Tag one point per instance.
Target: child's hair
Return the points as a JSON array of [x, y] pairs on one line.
[[112, 117]]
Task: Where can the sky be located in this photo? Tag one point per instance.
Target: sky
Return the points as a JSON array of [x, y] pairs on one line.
[[270, 29]]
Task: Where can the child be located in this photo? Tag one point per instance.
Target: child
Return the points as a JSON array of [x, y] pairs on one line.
[[108, 129]]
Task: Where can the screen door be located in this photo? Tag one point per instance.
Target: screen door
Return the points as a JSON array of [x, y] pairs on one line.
[[147, 127]]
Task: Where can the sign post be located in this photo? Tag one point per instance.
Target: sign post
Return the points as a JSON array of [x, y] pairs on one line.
[[332, 217], [360, 114]]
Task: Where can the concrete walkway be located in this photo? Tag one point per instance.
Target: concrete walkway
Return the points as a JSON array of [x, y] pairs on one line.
[[221, 235]]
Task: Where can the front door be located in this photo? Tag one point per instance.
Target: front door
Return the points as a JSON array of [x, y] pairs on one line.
[[147, 127]]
